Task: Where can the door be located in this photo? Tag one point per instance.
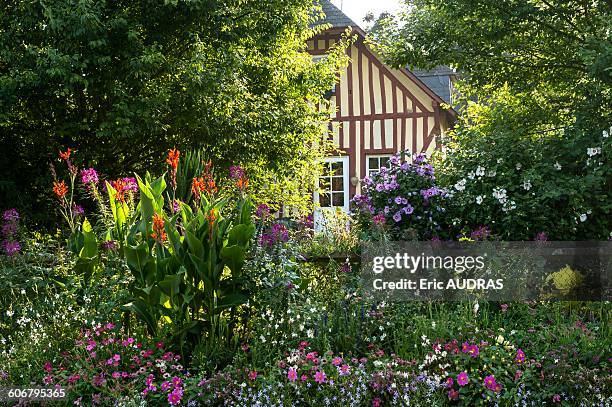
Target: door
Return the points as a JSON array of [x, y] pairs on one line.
[[332, 189]]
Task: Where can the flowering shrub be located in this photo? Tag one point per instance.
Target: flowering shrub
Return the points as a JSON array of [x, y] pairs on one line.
[[522, 181], [403, 199]]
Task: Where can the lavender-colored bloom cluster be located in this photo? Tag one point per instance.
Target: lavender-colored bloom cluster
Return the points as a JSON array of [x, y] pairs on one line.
[[236, 172], [402, 193], [262, 211], [10, 227], [130, 184], [278, 233], [89, 176]]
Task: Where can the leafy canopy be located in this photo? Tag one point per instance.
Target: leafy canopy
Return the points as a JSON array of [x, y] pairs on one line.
[[123, 81]]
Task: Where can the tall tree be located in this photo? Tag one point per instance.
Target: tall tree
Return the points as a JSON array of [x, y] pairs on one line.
[[121, 81], [537, 108]]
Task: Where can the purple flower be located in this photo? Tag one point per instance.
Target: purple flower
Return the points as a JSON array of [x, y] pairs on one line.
[[10, 215], [109, 245], [380, 187], [176, 207], [408, 209], [9, 229], [419, 158], [462, 379], [541, 237], [398, 200], [89, 176], [481, 233], [174, 397], [236, 172], [11, 248], [394, 160], [397, 217], [77, 210], [130, 184], [262, 211]]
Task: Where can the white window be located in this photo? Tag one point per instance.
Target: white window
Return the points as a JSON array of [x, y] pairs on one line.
[[332, 188], [375, 162]]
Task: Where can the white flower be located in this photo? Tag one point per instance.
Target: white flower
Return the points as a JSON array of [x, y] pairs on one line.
[[492, 173], [606, 134], [310, 333], [583, 217], [527, 185], [557, 166], [480, 171], [476, 307], [9, 313], [500, 160], [479, 199], [470, 175], [460, 185], [519, 166], [593, 151], [500, 194]]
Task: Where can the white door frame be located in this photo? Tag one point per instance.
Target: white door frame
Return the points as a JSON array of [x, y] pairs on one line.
[[318, 216]]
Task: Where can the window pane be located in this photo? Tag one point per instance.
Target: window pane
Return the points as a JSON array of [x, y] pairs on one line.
[[336, 168], [337, 184], [373, 163], [324, 183], [338, 198], [324, 200]]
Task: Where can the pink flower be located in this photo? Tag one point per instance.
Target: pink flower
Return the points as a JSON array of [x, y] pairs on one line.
[[252, 375], [159, 345], [116, 357], [449, 382], [474, 351], [176, 381], [319, 377], [116, 375], [520, 356], [490, 382], [518, 375], [453, 394], [344, 369], [89, 176], [337, 361], [304, 378], [174, 397], [110, 326], [556, 398], [166, 386], [504, 307], [376, 402], [48, 367], [292, 375], [462, 379]]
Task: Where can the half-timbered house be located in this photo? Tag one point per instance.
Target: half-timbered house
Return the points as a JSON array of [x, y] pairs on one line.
[[376, 112]]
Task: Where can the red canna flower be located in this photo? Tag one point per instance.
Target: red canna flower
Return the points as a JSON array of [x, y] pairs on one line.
[[158, 228], [173, 158], [120, 186], [60, 189], [197, 186], [65, 155]]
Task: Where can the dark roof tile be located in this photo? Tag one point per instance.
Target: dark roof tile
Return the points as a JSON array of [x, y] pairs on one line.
[[334, 16]]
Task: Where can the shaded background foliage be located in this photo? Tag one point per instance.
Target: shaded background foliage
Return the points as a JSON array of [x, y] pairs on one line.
[[123, 81]]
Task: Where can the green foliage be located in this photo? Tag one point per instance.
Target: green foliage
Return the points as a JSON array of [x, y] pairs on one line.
[[121, 82], [529, 178], [187, 267]]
